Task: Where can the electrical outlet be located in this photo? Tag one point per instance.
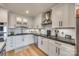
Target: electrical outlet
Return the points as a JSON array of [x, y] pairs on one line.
[[62, 33]]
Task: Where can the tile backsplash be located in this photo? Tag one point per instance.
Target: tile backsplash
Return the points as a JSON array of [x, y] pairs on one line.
[[63, 32]]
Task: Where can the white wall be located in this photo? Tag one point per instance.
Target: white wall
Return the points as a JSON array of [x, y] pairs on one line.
[[37, 21]]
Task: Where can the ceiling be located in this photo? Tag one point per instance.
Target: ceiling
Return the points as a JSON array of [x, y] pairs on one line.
[[34, 8]]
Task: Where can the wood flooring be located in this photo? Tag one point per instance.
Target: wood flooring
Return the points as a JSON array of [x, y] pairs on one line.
[[31, 50]]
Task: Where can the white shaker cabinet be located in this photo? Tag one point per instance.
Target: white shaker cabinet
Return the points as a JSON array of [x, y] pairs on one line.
[[14, 42], [12, 20], [63, 15], [57, 16], [52, 48], [69, 15], [67, 50], [43, 44], [3, 15], [18, 41], [28, 39], [40, 42], [10, 43], [18, 21], [57, 48]]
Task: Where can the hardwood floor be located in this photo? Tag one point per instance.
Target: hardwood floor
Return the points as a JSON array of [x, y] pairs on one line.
[[31, 50]]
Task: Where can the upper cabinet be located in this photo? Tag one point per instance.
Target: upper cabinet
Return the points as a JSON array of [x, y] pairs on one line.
[[21, 21], [63, 15], [18, 21], [12, 20], [3, 15], [24, 22]]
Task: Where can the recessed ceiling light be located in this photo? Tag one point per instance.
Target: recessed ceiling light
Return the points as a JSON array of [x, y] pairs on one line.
[[27, 11]]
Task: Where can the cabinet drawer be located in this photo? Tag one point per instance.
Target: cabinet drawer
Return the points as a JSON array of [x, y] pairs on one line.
[[51, 41]]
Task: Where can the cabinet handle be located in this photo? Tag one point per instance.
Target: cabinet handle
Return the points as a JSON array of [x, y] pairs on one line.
[[59, 23], [41, 42], [56, 49]]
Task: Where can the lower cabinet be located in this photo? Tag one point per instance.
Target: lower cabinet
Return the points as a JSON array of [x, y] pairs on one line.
[[67, 50], [10, 43], [28, 39], [55, 48], [18, 41], [60, 49], [43, 44], [52, 48]]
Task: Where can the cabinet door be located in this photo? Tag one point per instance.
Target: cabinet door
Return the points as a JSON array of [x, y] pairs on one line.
[[67, 50], [36, 39], [68, 15], [18, 21], [45, 45], [52, 48], [72, 15], [57, 16], [12, 20], [18, 41], [3, 15], [28, 39], [10, 44], [40, 43], [63, 52]]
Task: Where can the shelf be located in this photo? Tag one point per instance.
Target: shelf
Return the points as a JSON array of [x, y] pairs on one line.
[[47, 23]]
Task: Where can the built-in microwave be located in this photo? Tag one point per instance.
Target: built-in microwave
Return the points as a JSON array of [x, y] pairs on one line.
[[1, 29]]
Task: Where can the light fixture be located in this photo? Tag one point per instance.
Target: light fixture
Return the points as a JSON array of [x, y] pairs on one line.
[[27, 11]]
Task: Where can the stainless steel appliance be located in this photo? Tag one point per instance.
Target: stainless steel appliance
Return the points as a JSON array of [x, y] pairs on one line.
[[68, 36], [48, 32]]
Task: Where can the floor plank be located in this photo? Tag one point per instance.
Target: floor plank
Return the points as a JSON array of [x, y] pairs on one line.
[[32, 50]]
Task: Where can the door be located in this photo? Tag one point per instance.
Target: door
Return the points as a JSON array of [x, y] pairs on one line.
[[63, 52], [12, 20], [3, 15], [57, 16], [45, 45], [36, 40], [28, 39], [18, 41], [40, 42], [67, 50], [52, 48], [10, 44]]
